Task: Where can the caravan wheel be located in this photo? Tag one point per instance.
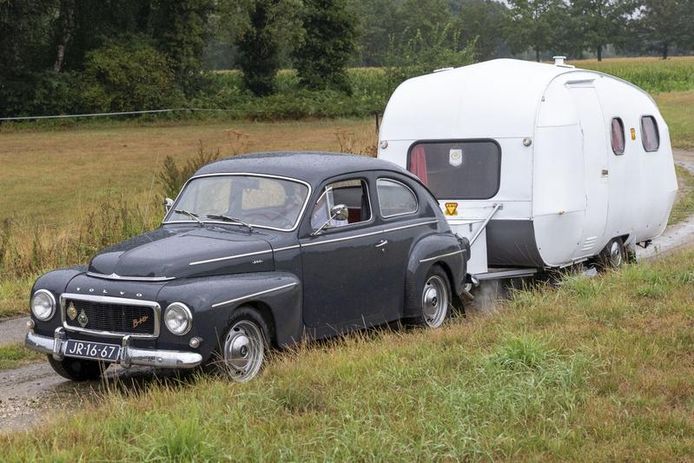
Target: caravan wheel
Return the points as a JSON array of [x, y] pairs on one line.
[[613, 256]]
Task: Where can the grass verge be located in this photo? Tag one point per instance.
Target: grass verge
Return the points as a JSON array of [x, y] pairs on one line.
[[14, 296], [684, 203], [678, 110], [16, 355], [599, 369]]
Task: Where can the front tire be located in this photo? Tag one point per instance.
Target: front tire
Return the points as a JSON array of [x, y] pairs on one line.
[[76, 369], [434, 298], [245, 346]]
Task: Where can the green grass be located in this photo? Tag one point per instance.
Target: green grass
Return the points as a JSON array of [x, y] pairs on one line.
[[14, 296], [678, 110], [684, 204], [16, 355], [597, 370]]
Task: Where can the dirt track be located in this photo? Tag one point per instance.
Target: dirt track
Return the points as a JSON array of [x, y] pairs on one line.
[[27, 394]]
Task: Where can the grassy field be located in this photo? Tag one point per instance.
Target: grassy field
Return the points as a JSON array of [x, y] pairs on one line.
[[16, 355], [684, 204], [599, 369], [652, 74]]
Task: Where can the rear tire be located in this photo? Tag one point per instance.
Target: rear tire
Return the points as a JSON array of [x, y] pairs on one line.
[[613, 256], [76, 369], [434, 299]]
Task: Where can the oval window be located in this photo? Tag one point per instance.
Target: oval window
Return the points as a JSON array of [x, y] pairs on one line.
[[617, 135], [395, 198], [650, 137]]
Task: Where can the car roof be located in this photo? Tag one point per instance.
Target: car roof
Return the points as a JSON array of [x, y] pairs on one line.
[[312, 167]]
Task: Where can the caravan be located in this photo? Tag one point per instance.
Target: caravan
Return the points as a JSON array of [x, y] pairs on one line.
[[538, 165]]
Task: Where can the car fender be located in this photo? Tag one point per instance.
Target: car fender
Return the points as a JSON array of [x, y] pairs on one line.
[[442, 249], [213, 300], [56, 282]]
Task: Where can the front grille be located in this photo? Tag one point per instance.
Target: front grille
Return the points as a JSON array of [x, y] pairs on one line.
[[101, 316]]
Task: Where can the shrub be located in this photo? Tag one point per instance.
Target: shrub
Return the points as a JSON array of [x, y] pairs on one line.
[[129, 76], [172, 177]]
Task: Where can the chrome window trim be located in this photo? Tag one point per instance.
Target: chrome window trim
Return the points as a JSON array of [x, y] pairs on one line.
[[115, 276], [372, 216], [111, 300], [392, 180], [429, 259], [248, 296], [240, 174]]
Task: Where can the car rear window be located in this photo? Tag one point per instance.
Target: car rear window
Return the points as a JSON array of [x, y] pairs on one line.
[[459, 169]]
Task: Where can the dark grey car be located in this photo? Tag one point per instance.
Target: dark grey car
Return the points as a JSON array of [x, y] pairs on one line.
[[257, 251]]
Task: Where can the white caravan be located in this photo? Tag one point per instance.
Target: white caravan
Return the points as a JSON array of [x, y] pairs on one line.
[[538, 165]]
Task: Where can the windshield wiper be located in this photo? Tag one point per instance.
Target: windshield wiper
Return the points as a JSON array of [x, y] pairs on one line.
[[230, 219], [192, 215]]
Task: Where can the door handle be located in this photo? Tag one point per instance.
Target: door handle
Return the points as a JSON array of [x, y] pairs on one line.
[[381, 243], [605, 172]]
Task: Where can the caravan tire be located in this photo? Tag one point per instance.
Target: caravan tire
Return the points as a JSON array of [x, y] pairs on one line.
[[613, 256]]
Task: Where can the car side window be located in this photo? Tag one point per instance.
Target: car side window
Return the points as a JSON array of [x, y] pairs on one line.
[[617, 136], [353, 194], [395, 198], [650, 137]]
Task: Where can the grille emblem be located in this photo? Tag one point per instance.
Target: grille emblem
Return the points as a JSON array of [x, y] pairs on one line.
[[72, 311], [82, 319], [139, 321]]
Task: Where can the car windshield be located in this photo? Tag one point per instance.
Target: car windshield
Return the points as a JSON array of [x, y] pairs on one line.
[[244, 200]]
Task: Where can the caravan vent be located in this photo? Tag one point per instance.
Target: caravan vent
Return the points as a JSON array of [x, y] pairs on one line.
[[561, 62], [443, 69]]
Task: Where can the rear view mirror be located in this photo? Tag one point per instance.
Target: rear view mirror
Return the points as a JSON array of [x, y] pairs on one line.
[[339, 212]]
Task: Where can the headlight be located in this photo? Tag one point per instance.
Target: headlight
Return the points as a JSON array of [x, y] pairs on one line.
[[178, 318], [43, 305]]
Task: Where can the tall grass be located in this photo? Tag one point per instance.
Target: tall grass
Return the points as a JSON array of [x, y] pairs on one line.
[[597, 370], [652, 74]]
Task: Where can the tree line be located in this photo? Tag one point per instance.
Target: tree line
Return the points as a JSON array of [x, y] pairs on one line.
[[60, 56]]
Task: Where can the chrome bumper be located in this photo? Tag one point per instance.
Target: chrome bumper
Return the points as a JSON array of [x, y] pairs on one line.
[[129, 355]]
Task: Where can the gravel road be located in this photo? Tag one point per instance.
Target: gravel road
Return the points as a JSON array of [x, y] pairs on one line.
[[34, 392]]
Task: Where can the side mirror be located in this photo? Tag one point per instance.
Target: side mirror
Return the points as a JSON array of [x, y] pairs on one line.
[[339, 212], [168, 204]]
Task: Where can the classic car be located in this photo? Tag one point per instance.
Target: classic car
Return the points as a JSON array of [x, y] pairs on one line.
[[257, 252]]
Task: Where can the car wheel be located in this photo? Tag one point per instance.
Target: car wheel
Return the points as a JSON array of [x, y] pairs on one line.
[[77, 369], [245, 345], [613, 256], [435, 298]]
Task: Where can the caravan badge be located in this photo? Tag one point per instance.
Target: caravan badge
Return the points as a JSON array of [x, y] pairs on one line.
[[455, 157]]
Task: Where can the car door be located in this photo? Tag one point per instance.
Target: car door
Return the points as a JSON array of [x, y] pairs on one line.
[[339, 262]]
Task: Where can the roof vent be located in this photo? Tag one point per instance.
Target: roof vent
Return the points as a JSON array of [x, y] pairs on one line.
[[561, 61], [443, 69]]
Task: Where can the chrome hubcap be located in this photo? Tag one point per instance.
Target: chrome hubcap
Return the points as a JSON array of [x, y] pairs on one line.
[[244, 350], [435, 301]]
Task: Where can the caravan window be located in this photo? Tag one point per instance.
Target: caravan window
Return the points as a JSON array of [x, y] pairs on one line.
[[467, 169], [617, 136], [649, 133]]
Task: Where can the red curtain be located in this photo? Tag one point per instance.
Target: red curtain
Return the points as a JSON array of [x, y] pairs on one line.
[[418, 164]]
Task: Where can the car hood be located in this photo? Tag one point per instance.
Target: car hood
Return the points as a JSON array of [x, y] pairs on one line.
[[176, 253]]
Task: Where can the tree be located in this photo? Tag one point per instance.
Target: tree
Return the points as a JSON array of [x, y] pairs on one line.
[[600, 22], [259, 50], [483, 21], [327, 46], [181, 28], [535, 24], [663, 24]]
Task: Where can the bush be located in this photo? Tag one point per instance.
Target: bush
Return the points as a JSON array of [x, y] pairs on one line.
[[172, 177], [40, 94], [129, 76]]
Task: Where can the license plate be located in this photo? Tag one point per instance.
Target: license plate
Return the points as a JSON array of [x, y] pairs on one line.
[[92, 350]]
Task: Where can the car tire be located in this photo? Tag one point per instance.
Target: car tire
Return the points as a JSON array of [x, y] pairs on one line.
[[245, 345], [613, 256], [434, 298], [77, 369]]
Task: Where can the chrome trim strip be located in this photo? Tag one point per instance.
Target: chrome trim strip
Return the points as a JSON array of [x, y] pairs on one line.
[[429, 259], [237, 256], [428, 222], [286, 248], [115, 276], [156, 308], [260, 293], [335, 240], [236, 174]]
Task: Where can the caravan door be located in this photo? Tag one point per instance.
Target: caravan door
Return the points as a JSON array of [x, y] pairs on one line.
[[595, 159]]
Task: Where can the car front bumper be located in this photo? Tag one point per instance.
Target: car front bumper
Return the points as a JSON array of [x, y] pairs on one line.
[[129, 355]]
